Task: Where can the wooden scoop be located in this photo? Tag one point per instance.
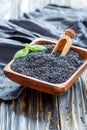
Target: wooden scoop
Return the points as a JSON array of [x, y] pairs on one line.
[[64, 43]]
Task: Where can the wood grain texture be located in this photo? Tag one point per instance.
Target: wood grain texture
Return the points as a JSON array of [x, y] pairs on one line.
[[64, 42], [39, 111]]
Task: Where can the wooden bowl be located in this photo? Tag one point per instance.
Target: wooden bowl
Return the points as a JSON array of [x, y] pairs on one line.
[[43, 86]]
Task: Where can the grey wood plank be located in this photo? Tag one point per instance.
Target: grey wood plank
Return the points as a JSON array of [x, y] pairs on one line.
[[35, 110], [72, 108]]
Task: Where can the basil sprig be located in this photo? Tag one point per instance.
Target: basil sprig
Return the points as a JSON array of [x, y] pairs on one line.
[[28, 48]]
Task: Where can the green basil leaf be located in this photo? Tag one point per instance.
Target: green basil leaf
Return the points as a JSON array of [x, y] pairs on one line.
[[36, 48], [26, 45], [21, 53], [27, 48]]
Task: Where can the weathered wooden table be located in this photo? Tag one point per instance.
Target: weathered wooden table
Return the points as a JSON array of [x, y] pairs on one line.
[[34, 110]]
